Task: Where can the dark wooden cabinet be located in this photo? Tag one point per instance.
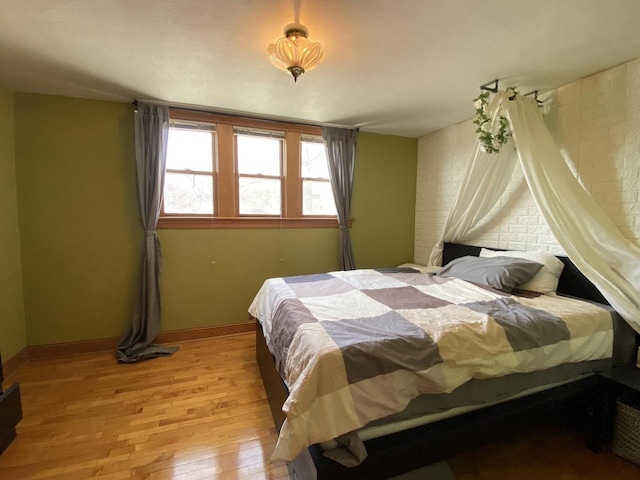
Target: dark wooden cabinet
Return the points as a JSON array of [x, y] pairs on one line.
[[10, 411], [627, 380]]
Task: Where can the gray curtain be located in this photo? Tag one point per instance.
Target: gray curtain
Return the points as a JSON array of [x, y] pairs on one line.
[[151, 136], [340, 145]]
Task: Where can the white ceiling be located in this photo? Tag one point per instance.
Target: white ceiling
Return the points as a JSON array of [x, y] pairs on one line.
[[403, 67]]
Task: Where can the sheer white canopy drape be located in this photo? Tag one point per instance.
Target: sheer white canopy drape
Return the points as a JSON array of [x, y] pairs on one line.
[[487, 177], [590, 239]]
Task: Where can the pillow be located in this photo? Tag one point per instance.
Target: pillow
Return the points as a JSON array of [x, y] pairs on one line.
[[501, 273], [546, 280], [420, 268]]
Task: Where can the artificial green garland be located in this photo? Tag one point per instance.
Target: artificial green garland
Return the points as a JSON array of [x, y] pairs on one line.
[[490, 143]]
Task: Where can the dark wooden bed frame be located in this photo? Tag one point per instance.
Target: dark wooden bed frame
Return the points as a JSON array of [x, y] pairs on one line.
[[584, 401]]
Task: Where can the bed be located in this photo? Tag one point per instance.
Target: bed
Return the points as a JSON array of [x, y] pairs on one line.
[[385, 404]]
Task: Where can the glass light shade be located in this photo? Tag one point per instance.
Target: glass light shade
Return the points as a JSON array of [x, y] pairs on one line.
[[294, 53]]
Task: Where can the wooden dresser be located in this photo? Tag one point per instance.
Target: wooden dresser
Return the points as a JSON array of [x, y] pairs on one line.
[[10, 411]]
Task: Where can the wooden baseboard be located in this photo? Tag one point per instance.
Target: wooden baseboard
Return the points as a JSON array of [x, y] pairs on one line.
[[15, 362], [206, 332], [43, 352]]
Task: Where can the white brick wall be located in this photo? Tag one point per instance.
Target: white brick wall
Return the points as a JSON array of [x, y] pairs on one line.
[[596, 124]]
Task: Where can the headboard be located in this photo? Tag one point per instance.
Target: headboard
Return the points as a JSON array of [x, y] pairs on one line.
[[572, 282]]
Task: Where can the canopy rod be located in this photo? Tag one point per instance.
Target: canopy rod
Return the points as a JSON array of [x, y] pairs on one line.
[[486, 86], [492, 87], [535, 96]]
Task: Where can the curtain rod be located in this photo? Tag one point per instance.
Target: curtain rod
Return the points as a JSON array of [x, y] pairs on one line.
[[254, 116]]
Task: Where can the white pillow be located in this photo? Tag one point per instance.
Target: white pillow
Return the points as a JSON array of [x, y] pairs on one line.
[[420, 268], [546, 280]]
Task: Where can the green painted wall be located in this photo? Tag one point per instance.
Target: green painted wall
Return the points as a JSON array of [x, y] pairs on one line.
[[198, 292], [81, 239], [384, 200], [78, 217], [12, 319]]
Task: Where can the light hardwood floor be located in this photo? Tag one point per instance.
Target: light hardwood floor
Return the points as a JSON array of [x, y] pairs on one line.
[[202, 414]]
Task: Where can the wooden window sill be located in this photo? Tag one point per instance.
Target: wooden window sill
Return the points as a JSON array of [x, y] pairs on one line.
[[187, 223]]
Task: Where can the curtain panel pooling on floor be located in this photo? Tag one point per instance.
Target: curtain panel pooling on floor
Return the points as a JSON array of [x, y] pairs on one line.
[[151, 137]]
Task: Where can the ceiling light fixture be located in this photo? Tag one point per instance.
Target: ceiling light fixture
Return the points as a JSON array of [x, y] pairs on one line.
[[294, 53]]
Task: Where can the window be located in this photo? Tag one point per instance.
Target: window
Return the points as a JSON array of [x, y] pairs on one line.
[[259, 167], [189, 178], [234, 172], [317, 196]]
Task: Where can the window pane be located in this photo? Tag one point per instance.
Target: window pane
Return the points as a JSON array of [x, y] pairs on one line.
[[184, 193], [260, 196], [258, 155], [190, 150], [314, 160], [317, 198]]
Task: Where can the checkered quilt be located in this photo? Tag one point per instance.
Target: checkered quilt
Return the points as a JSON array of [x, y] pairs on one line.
[[357, 346]]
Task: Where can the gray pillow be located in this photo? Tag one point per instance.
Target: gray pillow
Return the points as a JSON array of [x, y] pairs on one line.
[[501, 273]]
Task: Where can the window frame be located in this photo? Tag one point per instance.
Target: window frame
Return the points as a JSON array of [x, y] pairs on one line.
[[238, 175], [213, 174], [311, 179], [226, 208]]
